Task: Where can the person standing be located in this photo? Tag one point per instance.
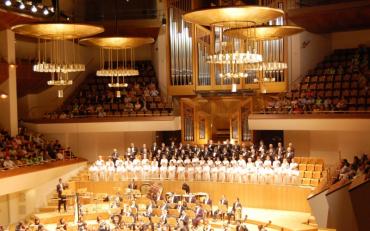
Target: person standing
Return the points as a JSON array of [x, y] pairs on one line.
[[62, 200], [115, 156]]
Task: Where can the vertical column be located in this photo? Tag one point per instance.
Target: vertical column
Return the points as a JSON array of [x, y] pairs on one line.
[[8, 106]]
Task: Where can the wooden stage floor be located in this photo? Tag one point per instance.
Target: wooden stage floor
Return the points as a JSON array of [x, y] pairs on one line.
[[265, 196]]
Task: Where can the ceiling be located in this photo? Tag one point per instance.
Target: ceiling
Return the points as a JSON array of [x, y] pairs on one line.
[[9, 19], [346, 16]]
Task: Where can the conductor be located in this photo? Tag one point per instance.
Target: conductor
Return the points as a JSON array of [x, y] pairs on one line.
[[186, 188], [62, 200]]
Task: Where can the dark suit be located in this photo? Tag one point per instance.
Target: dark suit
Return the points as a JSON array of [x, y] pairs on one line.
[[62, 200], [208, 201], [115, 156], [224, 202], [185, 219]]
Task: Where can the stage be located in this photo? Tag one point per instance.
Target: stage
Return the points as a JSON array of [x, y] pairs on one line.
[[280, 220], [264, 196]]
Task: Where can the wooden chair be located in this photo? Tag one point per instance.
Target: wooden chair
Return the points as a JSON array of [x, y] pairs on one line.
[[172, 222], [156, 220], [310, 167], [128, 220], [157, 212], [173, 213], [314, 182], [318, 167], [316, 174], [308, 174], [305, 181], [302, 167]]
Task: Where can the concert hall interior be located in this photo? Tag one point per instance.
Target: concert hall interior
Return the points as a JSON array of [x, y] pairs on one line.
[[184, 115]]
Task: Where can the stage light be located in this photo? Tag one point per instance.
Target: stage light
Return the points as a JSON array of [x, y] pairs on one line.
[[21, 6], [8, 3], [34, 9], [45, 12], [51, 9]]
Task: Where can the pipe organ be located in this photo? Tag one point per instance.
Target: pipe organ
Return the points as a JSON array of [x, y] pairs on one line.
[[181, 44]]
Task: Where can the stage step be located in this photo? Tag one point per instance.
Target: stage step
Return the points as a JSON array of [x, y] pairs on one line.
[[48, 209]]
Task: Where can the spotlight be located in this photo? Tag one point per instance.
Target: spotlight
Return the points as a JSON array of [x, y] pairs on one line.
[[45, 12], [51, 9], [21, 6], [33, 9], [8, 3]]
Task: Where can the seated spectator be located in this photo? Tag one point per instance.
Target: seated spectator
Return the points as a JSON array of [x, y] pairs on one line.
[[8, 163]]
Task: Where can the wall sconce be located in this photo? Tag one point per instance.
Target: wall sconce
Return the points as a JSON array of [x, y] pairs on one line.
[[3, 95]]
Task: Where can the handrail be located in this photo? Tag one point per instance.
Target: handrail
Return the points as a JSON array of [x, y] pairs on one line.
[[311, 112], [110, 118], [358, 182]]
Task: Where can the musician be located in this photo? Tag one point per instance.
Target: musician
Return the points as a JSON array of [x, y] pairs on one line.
[[117, 201], [37, 224], [20, 226], [237, 210], [102, 225], [180, 207], [149, 209], [62, 200], [132, 185], [81, 225], [115, 156], [224, 201], [199, 213], [164, 216], [184, 218], [207, 200], [62, 225]]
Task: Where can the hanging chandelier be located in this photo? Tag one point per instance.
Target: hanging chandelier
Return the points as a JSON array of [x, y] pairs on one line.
[[233, 54], [265, 34], [117, 57], [58, 51], [243, 38]]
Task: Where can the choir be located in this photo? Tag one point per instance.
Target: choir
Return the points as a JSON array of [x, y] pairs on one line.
[[216, 163]]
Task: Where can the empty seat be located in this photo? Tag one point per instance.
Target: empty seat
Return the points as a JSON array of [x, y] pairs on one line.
[[318, 167], [310, 167], [302, 167], [314, 182], [306, 181], [316, 174], [308, 174]]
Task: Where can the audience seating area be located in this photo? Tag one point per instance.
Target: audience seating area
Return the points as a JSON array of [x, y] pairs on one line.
[[27, 149], [95, 99], [339, 83]]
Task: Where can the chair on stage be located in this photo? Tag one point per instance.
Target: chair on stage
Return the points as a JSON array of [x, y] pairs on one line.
[[208, 209], [128, 220], [157, 212], [173, 213], [172, 222]]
